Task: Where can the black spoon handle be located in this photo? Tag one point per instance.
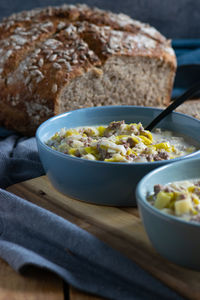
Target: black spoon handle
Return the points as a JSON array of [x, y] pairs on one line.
[[195, 88]]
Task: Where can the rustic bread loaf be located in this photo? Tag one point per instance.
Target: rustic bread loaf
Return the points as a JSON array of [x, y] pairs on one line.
[[62, 58]]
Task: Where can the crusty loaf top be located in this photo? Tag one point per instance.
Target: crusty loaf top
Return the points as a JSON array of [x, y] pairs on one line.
[[43, 49], [80, 12]]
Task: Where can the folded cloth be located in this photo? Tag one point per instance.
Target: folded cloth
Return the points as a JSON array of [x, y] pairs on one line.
[[30, 235], [19, 159], [188, 60]]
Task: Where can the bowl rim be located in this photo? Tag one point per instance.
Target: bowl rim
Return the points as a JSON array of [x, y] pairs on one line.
[[141, 199], [105, 107]]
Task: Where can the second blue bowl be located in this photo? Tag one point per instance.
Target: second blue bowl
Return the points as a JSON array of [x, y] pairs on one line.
[[174, 238]]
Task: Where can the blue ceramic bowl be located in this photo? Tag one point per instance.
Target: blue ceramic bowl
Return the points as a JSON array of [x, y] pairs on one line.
[[109, 183], [175, 239]]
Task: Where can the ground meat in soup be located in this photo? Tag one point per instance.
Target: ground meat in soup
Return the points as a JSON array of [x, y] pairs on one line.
[[120, 142], [180, 199]]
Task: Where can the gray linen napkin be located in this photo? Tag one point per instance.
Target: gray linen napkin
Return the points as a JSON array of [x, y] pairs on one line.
[[30, 235], [19, 159]]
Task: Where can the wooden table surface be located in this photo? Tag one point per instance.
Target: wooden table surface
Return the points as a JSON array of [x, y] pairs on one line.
[[121, 228], [36, 284]]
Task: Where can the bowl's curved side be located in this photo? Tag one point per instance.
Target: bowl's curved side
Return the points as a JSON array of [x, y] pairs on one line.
[[106, 184], [175, 239]]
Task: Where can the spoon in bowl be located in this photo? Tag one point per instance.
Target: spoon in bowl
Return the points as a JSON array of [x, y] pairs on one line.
[[185, 96]]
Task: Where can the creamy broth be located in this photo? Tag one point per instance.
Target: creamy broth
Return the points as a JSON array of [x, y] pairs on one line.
[[180, 198], [120, 142]]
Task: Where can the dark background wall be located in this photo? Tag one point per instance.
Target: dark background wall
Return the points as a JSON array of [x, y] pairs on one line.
[[174, 18]]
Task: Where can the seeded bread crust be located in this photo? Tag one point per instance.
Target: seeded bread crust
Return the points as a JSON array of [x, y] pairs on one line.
[[62, 58]]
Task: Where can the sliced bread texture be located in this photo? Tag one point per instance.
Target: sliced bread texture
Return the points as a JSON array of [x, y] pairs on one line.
[[58, 59]]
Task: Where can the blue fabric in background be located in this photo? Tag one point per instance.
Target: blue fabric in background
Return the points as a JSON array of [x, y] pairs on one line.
[[188, 65]]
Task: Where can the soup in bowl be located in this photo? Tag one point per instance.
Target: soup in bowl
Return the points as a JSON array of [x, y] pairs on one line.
[[168, 200]]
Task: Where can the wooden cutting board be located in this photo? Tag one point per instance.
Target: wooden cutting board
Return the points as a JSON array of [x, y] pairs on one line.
[[121, 228]]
